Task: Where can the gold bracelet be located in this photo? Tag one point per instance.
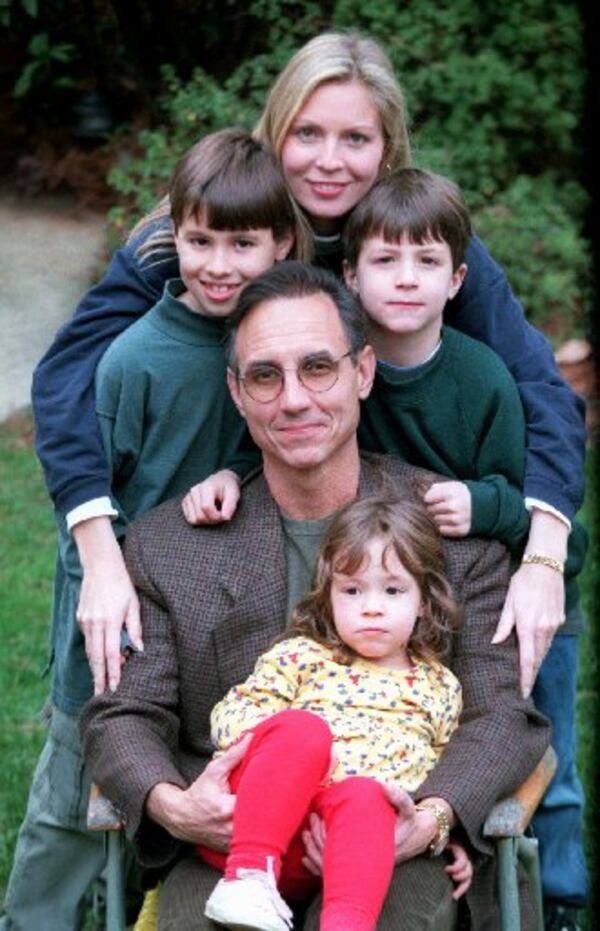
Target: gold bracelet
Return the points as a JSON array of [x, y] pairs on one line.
[[438, 844], [535, 559]]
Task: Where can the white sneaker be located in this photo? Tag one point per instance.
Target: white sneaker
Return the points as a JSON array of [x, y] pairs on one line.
[[250, 902]]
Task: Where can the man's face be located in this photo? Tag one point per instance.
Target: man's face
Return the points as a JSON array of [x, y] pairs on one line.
[[300, 428]]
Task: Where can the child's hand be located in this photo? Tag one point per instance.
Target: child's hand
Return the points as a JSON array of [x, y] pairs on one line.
[[460, 870], [214, 500], [449, 504], [313, 839]]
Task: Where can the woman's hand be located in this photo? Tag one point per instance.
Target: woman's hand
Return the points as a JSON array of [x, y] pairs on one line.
[[214, 500], [449, 504], [107, 601], [535, 603]]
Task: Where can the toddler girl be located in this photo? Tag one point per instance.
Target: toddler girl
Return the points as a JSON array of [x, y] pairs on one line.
[[354, 699]]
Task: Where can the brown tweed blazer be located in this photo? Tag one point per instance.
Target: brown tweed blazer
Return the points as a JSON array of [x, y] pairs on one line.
[[213, 598]]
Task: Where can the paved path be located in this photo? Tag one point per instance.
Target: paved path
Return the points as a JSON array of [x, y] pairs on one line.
[[49, 255]]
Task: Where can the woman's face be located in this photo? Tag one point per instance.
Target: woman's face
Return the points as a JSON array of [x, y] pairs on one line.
[[332, 152]]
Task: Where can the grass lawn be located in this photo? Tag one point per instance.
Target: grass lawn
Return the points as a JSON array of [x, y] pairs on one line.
[[26, 567]]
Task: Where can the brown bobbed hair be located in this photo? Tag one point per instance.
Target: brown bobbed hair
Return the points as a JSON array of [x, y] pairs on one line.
[[408, 531], [411, 202], [235, 182]]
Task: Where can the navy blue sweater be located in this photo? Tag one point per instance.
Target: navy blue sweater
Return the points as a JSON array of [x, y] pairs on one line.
[[67, 435]]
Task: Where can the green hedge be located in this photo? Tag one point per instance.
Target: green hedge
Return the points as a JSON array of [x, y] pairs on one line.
[[495, 93]]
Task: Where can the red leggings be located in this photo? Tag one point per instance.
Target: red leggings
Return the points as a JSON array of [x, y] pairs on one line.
[[277, 785]]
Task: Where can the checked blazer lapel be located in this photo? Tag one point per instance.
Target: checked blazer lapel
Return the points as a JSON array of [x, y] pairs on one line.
[[253, 581]]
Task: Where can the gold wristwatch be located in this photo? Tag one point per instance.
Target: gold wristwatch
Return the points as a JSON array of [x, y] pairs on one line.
[[438, 844]]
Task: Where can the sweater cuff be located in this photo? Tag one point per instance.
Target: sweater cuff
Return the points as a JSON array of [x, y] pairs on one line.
[[97, 507], [531, 503], [484, 508]]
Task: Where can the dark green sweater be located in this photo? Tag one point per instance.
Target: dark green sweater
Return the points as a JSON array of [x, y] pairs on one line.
[[458, 414], [164, 408]]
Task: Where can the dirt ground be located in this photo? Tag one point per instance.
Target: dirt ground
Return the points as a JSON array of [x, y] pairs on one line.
[[51, 252]]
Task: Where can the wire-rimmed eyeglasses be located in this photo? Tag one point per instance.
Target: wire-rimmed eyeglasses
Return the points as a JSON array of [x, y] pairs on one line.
[[264, 381]]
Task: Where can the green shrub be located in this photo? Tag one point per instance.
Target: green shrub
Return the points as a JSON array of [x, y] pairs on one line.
[[495, 93], [531, 232]]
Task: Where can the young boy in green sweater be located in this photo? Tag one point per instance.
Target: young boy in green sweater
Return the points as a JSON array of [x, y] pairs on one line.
[[441, 399], [446, 402], [166, 419]]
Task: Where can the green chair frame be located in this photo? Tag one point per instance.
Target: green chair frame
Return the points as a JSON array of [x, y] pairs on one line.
[[506, 825]]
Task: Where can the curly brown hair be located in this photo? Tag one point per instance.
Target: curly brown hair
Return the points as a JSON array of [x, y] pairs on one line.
[[410, 533]]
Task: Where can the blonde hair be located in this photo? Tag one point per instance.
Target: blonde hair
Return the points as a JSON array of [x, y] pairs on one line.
[[407, 530], [338, 56], [236, 182]]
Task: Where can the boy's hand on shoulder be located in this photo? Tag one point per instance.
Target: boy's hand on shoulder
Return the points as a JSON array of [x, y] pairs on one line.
[[214, 500], [450, 506]]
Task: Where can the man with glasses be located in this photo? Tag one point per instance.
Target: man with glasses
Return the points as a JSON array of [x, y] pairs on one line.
[[213, 598]]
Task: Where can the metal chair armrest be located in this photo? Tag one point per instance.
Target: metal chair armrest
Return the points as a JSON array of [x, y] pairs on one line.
[[510, 816], [102, 815]]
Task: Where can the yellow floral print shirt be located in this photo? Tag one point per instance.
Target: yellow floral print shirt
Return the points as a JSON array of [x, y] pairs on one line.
[[386, 723]]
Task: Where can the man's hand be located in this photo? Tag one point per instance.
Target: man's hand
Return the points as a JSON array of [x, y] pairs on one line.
[[449, 504], [415, 830], [214, 500], [535, 603], [107, 601], [202, 813], [314, 845]]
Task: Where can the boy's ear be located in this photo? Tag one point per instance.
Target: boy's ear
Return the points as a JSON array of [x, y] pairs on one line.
[[283, 247], [457, 279], [349, 274]]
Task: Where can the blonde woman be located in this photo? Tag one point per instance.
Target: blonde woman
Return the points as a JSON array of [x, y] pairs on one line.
[[336, 119]]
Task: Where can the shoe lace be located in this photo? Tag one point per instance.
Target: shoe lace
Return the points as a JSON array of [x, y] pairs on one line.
[[267, 879]]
